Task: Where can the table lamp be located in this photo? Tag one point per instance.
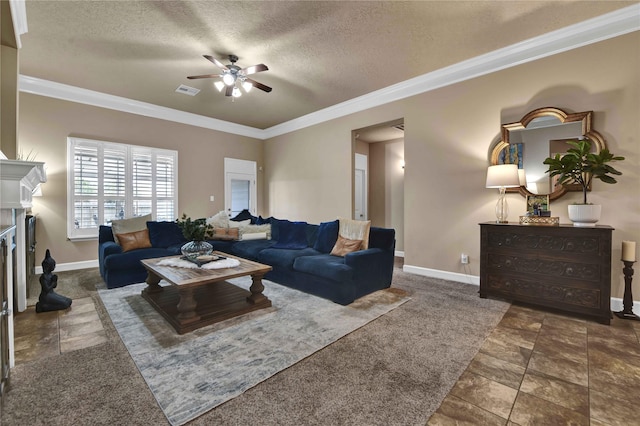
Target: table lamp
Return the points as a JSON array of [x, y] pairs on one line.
[[502, 176]]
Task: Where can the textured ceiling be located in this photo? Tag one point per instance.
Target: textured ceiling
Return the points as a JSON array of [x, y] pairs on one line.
[[318, 53]]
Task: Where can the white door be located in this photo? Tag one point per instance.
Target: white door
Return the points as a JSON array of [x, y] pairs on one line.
[[360, 188], [240, 182]]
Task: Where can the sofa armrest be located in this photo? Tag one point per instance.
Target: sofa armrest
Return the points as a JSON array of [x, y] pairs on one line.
[[364, 258], [372, 269], [109, 248]]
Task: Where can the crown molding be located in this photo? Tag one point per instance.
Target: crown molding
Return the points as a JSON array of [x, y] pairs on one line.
[[610, 25], [601, 28], [19, 19], [66, 92]]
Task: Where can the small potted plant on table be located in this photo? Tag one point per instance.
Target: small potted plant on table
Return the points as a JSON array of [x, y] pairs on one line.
[[579, 165], [195, 231]]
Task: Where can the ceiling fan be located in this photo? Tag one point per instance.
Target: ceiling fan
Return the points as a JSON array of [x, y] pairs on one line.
[[233, 77]]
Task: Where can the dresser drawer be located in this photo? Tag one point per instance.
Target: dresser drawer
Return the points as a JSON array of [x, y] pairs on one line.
[[560, 267]]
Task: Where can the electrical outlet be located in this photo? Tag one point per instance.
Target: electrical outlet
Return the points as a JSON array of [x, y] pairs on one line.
[[464, 258]]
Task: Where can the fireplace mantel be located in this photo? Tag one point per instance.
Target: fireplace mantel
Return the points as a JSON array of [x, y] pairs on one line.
[[18, 181]]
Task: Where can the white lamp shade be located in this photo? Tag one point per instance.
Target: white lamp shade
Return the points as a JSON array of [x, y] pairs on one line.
[[522, 177], [503, 175]]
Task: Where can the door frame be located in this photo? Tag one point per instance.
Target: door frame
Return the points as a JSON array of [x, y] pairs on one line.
[[234, 166]]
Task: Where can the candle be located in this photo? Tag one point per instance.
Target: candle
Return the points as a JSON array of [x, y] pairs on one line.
[[629, 251]]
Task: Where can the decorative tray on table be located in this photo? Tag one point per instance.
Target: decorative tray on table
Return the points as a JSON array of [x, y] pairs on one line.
[[203, 258]]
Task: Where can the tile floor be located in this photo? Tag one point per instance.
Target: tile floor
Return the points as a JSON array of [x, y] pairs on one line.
[[46, 334], [542, 368]]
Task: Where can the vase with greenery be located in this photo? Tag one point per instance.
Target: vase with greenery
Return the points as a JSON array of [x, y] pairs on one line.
[[580, 166], [195, 231]]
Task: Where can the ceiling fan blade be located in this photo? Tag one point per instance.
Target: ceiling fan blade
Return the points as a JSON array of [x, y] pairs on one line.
[[229, 91], [216, 62], [254, 69], [191, 77], [259, 85]]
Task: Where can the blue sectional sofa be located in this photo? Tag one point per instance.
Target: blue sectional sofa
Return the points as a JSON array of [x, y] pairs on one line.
[[300, 259]]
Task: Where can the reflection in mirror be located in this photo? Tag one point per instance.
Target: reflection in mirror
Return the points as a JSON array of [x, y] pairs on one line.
[[540, 134]]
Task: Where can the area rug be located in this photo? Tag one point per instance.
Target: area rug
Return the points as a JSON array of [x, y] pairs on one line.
[[193, 373]]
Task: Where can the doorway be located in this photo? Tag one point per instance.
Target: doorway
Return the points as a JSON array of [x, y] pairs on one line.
[[381, 149], [361, 187], [240, 183]]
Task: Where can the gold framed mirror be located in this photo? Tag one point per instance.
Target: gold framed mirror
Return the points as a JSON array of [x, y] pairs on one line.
[[542, 133]]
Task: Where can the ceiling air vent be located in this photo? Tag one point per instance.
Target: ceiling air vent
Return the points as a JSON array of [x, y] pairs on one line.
[[399, 127], [191, 91]]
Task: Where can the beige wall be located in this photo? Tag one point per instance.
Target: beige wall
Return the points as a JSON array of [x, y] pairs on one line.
[[448, 138], [45, 124], [308, 174], [386, 190]]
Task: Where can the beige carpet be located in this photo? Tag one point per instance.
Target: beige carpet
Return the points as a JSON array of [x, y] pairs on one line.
[[192, 373], [395, 370]]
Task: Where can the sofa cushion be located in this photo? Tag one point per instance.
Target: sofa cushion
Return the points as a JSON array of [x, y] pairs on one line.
[[327, 236], [250, 249], [123, 226], [283, 257], [131, 260], [291, 235], [134, 240], [345, 245], [325, 266], [165, 234]]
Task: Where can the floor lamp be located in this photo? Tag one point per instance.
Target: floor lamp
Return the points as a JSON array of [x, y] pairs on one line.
[[502, 176]]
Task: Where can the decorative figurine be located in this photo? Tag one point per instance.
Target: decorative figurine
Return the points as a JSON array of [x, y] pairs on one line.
[[49, 300]]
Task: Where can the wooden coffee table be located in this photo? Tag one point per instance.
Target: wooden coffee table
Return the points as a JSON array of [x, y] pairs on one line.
[[199, 297]]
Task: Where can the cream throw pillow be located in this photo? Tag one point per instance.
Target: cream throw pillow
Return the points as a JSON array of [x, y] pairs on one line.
[[125, 226], [356, 230], [219, 220]]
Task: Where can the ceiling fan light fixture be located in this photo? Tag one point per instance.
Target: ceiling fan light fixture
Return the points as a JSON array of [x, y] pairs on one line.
[[247, 86], [236, 92], [219, 85], [229, 79]]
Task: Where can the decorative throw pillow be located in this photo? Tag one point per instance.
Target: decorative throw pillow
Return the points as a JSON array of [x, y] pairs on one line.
[[291, 235], [262, 221], [227, 234], [165, 234], [124, 226], [248, 231], [134, 240], [345, 245], [244, 215], [219, 220], [239, 224], [356, 230], [327, 236]]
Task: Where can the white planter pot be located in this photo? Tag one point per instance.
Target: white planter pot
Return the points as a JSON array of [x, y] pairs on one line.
[[584, 214]]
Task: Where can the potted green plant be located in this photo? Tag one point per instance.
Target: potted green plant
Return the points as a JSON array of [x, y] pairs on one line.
[[580, 166], [195, 231]]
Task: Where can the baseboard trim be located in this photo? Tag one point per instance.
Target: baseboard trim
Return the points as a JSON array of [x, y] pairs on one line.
[[443, 275], [399, 254], [72, 266], [616, 303]]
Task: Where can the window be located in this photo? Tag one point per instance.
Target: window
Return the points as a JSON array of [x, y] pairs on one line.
[[108, 181]]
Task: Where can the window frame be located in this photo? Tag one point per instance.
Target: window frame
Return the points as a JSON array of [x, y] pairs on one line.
[[130, 153]]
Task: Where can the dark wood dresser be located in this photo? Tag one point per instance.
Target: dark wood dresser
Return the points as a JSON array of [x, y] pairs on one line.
[[561, 267]]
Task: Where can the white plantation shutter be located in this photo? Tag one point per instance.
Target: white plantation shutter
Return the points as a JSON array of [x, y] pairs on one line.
[[110, 181]]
